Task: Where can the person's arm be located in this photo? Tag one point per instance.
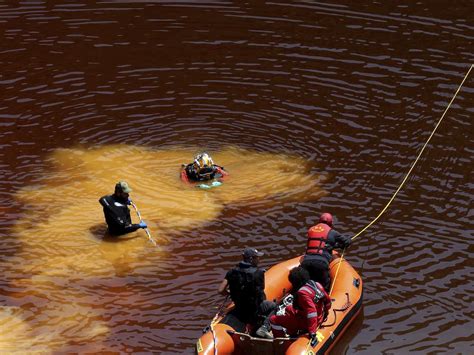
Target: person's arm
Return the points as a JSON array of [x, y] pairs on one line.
[[132, 228], [344, 241], [260, 284], [341, 241], [223, 290], [116, 223], [309, 311]]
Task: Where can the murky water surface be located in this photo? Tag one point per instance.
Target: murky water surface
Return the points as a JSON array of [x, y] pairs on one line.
[[310, 106]]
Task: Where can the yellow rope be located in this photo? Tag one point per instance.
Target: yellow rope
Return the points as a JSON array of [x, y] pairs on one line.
[[417, 158], [337, 271], [308, 346]]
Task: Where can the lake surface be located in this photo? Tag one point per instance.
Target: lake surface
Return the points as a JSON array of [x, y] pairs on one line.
[[311, 107]]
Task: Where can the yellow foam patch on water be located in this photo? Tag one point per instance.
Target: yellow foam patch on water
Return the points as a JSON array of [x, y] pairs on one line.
[[14, 331], [63, 229], [19, 336], [67, 208]]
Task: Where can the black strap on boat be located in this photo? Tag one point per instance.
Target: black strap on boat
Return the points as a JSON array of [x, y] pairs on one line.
[[343, 309]]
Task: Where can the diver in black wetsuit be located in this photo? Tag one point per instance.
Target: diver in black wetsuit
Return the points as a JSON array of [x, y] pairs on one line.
[[116, 212]]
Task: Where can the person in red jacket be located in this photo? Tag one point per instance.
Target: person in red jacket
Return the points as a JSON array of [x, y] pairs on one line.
[[310, 307], [322, 239]]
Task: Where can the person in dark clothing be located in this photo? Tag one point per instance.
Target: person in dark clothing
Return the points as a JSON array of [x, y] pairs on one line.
[[246, 284], [116, 212], [203, 169], [322, 239]]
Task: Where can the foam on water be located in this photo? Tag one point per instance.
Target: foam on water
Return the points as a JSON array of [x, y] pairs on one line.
[[65, 245]]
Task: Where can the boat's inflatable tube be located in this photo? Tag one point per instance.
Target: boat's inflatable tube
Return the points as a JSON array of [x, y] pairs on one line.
[[346, 304]]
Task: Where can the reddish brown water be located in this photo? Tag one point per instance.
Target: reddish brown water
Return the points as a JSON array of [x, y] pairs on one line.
[[311, 107]]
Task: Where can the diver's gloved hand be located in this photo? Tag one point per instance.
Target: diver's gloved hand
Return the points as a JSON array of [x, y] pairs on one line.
[[129, 201], [313, 339], [142, 224], [216, 183]]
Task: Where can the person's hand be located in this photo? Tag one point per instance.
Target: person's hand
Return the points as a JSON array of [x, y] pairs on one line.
[[313, 339], [325, 315], [344, 242], [347, 241], [142, 224], [129, 201], [216, 183]]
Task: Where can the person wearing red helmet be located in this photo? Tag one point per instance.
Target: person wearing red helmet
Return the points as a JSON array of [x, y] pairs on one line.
[[322, 239]]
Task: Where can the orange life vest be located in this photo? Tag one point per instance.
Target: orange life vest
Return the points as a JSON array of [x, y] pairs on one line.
[[317, 238]]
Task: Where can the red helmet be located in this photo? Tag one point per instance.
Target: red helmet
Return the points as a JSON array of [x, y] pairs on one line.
[[326, 218]]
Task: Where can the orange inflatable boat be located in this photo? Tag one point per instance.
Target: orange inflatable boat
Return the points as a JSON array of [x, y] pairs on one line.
[[346, 298]]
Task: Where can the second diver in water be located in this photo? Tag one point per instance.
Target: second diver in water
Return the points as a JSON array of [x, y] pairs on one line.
[[203, 169]]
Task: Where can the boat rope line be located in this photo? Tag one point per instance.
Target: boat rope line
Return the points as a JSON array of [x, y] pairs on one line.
[[337, 271], [219, 310], [405, 179], [335, 277], [146, 229], [343, 309], [308, 345], [417, 158], [214, 339], [214, 321]]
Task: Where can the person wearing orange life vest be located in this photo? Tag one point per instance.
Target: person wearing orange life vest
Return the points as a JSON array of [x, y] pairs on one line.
[[311, 305], [322, 239]]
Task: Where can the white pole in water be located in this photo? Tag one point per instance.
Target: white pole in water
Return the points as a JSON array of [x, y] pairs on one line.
[[146, 229]]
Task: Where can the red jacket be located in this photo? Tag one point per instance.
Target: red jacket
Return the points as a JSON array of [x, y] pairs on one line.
[[313, 303]]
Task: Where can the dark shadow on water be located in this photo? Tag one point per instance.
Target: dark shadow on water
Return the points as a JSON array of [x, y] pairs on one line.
[[100, 232], [342, 345]]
